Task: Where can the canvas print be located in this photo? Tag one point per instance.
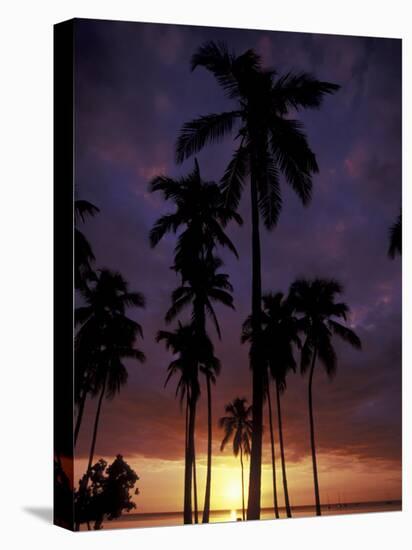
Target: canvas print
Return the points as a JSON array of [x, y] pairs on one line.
[[234, 307]]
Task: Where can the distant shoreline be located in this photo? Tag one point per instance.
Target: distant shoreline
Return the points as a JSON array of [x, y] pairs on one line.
[[300, 508]]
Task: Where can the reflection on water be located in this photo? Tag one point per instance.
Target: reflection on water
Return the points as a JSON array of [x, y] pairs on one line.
[[128, 521]]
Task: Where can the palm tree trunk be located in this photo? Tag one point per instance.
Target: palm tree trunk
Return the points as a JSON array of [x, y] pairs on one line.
[[85, 480], [79, 416], [186, 425], [206, 508], [95, 428], [255, 473], [312, 438], [187, 505], [195, 486], [282, 454], [272, 448], [243, 484]]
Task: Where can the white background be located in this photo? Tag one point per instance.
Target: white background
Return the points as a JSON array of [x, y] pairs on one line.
[[26, 228]]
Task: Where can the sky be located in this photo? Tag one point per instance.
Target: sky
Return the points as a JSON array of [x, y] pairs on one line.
[[134, 90]]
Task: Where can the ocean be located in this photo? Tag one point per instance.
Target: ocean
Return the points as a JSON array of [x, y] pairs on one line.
[[133, 520]]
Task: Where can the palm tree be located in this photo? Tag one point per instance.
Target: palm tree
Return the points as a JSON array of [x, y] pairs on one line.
[[272, 449], [83, 253], [395, 238], [106, 336], [200, 210], [201, 287], [280, 334], [182, 344], [191, 354], [270, 143], [238, 426], [119, 335], [247, 337], [315, 300]]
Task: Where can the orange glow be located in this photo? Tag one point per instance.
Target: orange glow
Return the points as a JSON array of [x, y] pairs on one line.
[[342, 479]]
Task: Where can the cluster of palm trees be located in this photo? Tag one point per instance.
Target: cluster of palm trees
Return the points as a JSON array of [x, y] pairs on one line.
[[305, 322], [270, 145], [201, 215], [105, 335]]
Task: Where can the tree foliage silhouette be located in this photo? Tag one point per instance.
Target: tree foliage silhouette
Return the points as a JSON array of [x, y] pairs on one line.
[[83, 253], [108, 495], [270, 143], [106, 336], [315, 300], [395, 238], [237, 426], [201, 214]]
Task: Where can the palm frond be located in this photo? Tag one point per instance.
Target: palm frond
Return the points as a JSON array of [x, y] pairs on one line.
[[270, 199], [233, 179], [195, 134], [327, 355], [165, 224], [81, 314], [214, 56], [395, 238], [246, 335], [177, 307], [134, 299], [345, 333], [293, 156], [211, 312], [84, 208], [300, 90]]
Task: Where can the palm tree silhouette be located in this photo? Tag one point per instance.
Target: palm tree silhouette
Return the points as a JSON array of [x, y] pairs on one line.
[[238, 427], [192, 354], [183, 345], [83, 253], [111, 336], [315, 300], [272, 448], [395, 238], [247, 337], [270, 143], [200, 210], [202, 286], [280, 334]]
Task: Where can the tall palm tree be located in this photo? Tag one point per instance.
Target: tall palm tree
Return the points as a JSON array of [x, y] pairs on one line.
[[270, 142], [83, 253], [280, 334], [395, 238], [201, 287], [192, 354], [119, 337], [248, 337], [315, 300], [105, 337], [201, 213], [238, 427], [272, 449], [182, 344]]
